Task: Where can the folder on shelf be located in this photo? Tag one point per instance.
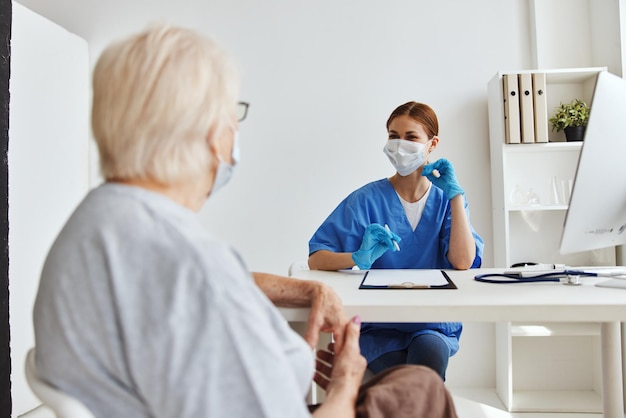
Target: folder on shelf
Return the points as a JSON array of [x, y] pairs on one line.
[[406, 279], [527, 114], [511, 109], [541, 107]]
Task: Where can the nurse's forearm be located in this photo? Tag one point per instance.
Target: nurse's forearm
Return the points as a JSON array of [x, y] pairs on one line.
[[462, 250], [328, 260]]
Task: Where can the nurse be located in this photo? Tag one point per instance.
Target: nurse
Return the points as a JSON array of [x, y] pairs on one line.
[[416, 219]]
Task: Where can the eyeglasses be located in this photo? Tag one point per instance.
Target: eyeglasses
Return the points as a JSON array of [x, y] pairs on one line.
[[242, 110]]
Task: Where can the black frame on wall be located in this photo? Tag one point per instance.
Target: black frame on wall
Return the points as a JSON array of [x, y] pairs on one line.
[[6, 13]]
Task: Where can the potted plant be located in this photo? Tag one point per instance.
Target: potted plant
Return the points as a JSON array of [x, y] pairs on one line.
[[571, 118]]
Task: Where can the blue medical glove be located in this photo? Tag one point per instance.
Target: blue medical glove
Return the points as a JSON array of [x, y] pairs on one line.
[[447, 178], [377, 240]]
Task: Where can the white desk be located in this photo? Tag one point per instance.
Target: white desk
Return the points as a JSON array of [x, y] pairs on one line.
[[485, 302]]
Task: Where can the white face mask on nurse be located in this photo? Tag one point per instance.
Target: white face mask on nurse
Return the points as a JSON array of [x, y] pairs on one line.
[[408, 146]]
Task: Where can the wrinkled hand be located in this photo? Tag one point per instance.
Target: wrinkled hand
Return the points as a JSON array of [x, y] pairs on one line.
[[342, 366], [447, 178], [326, 315], [377, 240], [325, 308]]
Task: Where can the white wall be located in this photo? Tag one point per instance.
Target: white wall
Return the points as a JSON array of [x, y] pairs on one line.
[[567, 33], [622, 19], [48, 166], [322, 77], [563, 33], [322, 80]]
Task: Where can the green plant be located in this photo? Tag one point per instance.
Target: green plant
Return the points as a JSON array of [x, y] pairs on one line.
[[575, 113]]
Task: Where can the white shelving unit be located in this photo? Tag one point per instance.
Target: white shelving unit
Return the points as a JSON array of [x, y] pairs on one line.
[[521, 170], [563, 375], [541, 367]]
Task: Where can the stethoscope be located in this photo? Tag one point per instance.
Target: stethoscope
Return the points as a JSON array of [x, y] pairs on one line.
[[567, 277]]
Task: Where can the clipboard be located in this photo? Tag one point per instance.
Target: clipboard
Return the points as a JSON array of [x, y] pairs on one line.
[[406, 279]]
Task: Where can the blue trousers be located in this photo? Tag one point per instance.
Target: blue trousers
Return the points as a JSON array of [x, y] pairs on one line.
[[426, 350]]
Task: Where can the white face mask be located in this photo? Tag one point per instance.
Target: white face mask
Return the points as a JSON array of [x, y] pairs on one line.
[[225, 170], [406, 156]]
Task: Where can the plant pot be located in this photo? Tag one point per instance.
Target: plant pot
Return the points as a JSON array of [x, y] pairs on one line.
[[574, 133]]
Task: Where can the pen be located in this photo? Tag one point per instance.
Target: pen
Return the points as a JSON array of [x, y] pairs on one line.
[[395, 244]]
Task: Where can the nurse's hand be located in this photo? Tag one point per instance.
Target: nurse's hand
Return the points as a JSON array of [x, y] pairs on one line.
[[446, 180], [377, 240]]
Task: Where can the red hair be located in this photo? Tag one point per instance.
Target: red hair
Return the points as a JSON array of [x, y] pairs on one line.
[[421, 113]]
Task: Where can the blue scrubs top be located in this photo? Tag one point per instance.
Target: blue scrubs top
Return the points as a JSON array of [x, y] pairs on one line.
[[425, 248]]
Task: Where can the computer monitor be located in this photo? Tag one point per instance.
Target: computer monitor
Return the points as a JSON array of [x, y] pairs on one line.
[[596, 216]]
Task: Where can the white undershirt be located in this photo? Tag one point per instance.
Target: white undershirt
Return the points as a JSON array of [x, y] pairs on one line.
[[414, 210]]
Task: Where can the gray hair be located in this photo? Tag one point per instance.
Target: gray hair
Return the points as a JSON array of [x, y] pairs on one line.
[[158, 98]]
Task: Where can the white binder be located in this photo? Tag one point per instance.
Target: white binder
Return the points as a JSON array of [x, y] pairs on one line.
[[541, 107], [511, 109], [527, 115]]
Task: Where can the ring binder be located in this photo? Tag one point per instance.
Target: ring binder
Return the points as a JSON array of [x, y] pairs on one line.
[[527, 114], [511, 109]]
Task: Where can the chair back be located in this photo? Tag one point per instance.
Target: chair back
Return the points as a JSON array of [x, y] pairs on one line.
[[297, 265], [62, 404]]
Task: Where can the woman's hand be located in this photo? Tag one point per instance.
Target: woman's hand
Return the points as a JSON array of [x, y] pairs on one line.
[[326, 315], [340, 372], [446, 179], [377, 240]]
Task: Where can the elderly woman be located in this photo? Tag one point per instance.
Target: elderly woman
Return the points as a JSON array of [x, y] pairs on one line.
[[143, 313]]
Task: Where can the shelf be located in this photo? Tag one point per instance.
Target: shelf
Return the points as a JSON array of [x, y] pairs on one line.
[[485, 403], [536, 208], [555, 329], [562, 75], [547, 147], [557, 401]]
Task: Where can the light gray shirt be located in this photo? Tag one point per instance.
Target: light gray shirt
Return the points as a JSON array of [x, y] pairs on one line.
[[142, 313]]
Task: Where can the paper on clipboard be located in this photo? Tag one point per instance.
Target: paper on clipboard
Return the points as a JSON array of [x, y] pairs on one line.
[[405, 278]]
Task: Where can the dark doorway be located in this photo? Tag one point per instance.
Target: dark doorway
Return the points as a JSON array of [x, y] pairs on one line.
[[5, 74]]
